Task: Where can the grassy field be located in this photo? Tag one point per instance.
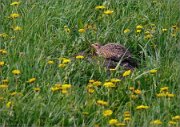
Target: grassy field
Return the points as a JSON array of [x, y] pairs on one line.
[[44, 83]]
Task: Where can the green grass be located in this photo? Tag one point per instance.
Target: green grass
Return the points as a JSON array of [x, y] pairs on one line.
[[43, 37]]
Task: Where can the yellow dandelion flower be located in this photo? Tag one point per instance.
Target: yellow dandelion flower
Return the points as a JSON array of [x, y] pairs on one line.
[[103, 103], [138, 31], [115, 80], [164, 30], [37, 89], [17, 28], [113, 121], [131, 88], [66, 86], [137, 91], [126, 73], [100, 7], [15, 3], [170, 95], [172, 122], [107, 113], [4, 35], [91, 81], [176, 117], [79, 57], [112, 69], [148, 36], [16, 93], [2, 63], [109, 85], [81, 30], [127, 119], [126, 31], [153, 71], [127, 114], [64, 91], [132, 96], [156, 122], [90, 90], [139, 27], [142, 107], [5, 81], [164, 89], [9, 104], [97, 83], [161, 95], [173, 34], [120, 124], [16, 72], [3, 86], [3, 51], [14, 15], [62, 65], [31, 80], [50, 62], [66, 29], [108, 12], [66, 61]]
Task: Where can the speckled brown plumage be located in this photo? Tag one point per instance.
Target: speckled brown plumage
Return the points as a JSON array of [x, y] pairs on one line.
[[115, 52]]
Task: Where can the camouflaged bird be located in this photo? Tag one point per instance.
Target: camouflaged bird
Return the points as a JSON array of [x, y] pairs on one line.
[[114, 52]]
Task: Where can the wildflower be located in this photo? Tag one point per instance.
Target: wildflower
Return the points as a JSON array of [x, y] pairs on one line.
[[148, 36], [66, 86], [126, 73], [91, 81], [115, 80], [109, 85], [153, 71], [175, 27], [127, 119], [107, 113], [127, 114], [112, 69], [139, 27], [161, 95], [37, 89], [15, 3], [156, 122], [131, 88], [61, 65], [138, 31], [79, 57], [120, 124], [16, 93], [3, 86], [164, 89], [4, 35], [103, 103], [108, 12], [14, 15], [66, 29], [97, 83], [113, 121], [31, 80], [173, 34], [137, 91], [100, 7], [9, 104], [142, 107], [64, 91], [176, 117], [50, 62], [164, 30], [17, 28], [132, 96], [90, 90], [170, 95], [16, 72], [172, 123], [3, 51], [2, 63], [126, 31], [5, 81], [81, 30], [65, 60]]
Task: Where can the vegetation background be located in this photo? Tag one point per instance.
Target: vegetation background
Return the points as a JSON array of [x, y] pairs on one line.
[[43, 84]]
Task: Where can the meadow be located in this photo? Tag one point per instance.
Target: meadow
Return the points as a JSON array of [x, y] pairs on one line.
[[44, 82]]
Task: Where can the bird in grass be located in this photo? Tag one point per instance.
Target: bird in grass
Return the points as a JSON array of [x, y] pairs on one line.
[[114, 53]]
